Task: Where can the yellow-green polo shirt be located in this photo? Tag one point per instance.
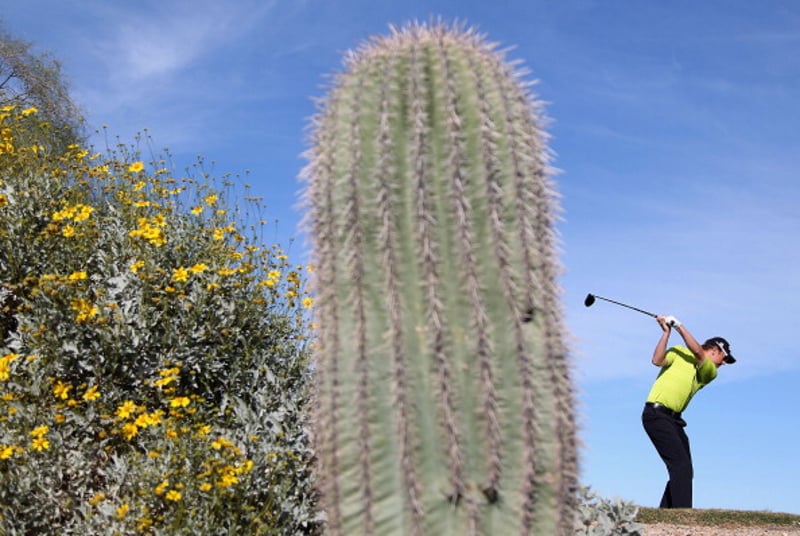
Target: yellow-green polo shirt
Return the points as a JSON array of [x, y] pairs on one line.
[[680, 378]]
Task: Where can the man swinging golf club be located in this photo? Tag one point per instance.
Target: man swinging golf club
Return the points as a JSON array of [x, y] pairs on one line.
[[684, 371]]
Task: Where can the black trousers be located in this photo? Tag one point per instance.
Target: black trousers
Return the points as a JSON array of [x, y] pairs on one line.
[[670, 440]]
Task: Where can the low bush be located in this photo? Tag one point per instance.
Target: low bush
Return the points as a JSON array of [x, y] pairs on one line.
[[153, 366], [598, 516]]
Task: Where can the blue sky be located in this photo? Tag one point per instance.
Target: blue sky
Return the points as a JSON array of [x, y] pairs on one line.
[[675, 126]]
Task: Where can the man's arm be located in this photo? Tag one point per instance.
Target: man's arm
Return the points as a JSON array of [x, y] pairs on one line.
[[660, 353], [691, 342], [695, 347]]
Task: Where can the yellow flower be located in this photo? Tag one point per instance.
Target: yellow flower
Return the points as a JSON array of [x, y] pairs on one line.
[[77, 276], [179, 402], [173, 495], [29, 111], [39, 431], [3, 200], [136, 167], [60, 418], [61, 390], [6, 451], [199, 268], [154, 419], [86, 311], [308, 303], [161, 488], [99, 171], [139, 185], [210, 199], [82, 212], [169, 372], [163, 382], [126, 409], [122, 511], [68, 231], [180, 274], [142, 421], [129, 430], [245, 467], [220, 443], [205, 486], [40, 444], [150, 230], [228, 477], [136, 266], [5, 365], [62, 214], [91, 394], [97, 499], [197, 210]]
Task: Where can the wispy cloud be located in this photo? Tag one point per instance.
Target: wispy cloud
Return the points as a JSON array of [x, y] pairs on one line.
[[152, 67], [173, 36]]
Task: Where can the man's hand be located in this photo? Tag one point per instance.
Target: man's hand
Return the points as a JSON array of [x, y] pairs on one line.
[[672, 322]]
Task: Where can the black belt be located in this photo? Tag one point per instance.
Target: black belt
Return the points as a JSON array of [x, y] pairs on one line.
[[663, 409]]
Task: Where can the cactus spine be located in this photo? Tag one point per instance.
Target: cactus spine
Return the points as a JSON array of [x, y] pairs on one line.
[[444, 399]]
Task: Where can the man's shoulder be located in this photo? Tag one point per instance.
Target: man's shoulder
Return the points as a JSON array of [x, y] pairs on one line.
[[680, 352]]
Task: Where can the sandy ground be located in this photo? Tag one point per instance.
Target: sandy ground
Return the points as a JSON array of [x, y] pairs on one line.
[[660, 529]]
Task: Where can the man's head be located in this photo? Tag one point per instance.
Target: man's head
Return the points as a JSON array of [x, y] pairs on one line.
[[719, 350]]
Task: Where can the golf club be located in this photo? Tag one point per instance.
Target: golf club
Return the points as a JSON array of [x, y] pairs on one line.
[[590, 298]]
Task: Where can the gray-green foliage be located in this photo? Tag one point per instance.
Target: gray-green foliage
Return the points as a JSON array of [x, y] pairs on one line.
[[445, 404], [598, 516], [153, 367]]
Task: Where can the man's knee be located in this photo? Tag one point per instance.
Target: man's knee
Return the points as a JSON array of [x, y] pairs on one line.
[[682, 468]]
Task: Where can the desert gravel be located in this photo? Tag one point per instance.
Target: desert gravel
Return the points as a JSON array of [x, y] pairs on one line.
[[662, 529]]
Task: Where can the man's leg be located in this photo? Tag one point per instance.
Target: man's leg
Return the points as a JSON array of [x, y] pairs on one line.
[[672, 445], [666, 498]]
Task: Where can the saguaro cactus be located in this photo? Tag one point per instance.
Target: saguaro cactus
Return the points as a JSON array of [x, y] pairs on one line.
[[445, 404]]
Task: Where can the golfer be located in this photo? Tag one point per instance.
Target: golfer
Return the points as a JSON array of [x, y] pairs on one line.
[[684, 371]]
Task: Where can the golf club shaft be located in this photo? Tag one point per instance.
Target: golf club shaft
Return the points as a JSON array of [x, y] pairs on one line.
[[625, 305]]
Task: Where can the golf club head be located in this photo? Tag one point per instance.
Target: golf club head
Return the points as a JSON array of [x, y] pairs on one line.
[[589, 300]]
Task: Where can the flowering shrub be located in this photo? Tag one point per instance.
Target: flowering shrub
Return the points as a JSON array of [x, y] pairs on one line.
[[153, 367]]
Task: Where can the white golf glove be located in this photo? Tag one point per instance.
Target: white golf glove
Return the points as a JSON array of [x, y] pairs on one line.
[[672, 322]]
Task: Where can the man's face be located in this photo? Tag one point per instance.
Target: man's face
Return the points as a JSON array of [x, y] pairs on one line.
[[717, 356]]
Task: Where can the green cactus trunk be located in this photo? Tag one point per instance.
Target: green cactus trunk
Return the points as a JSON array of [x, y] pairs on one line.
[[444, 397]]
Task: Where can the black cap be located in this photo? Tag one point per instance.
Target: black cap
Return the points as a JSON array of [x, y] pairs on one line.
[[723, 345]]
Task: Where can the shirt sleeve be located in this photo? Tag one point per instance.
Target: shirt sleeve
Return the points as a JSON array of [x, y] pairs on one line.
[[670, 356], [706, 371]]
